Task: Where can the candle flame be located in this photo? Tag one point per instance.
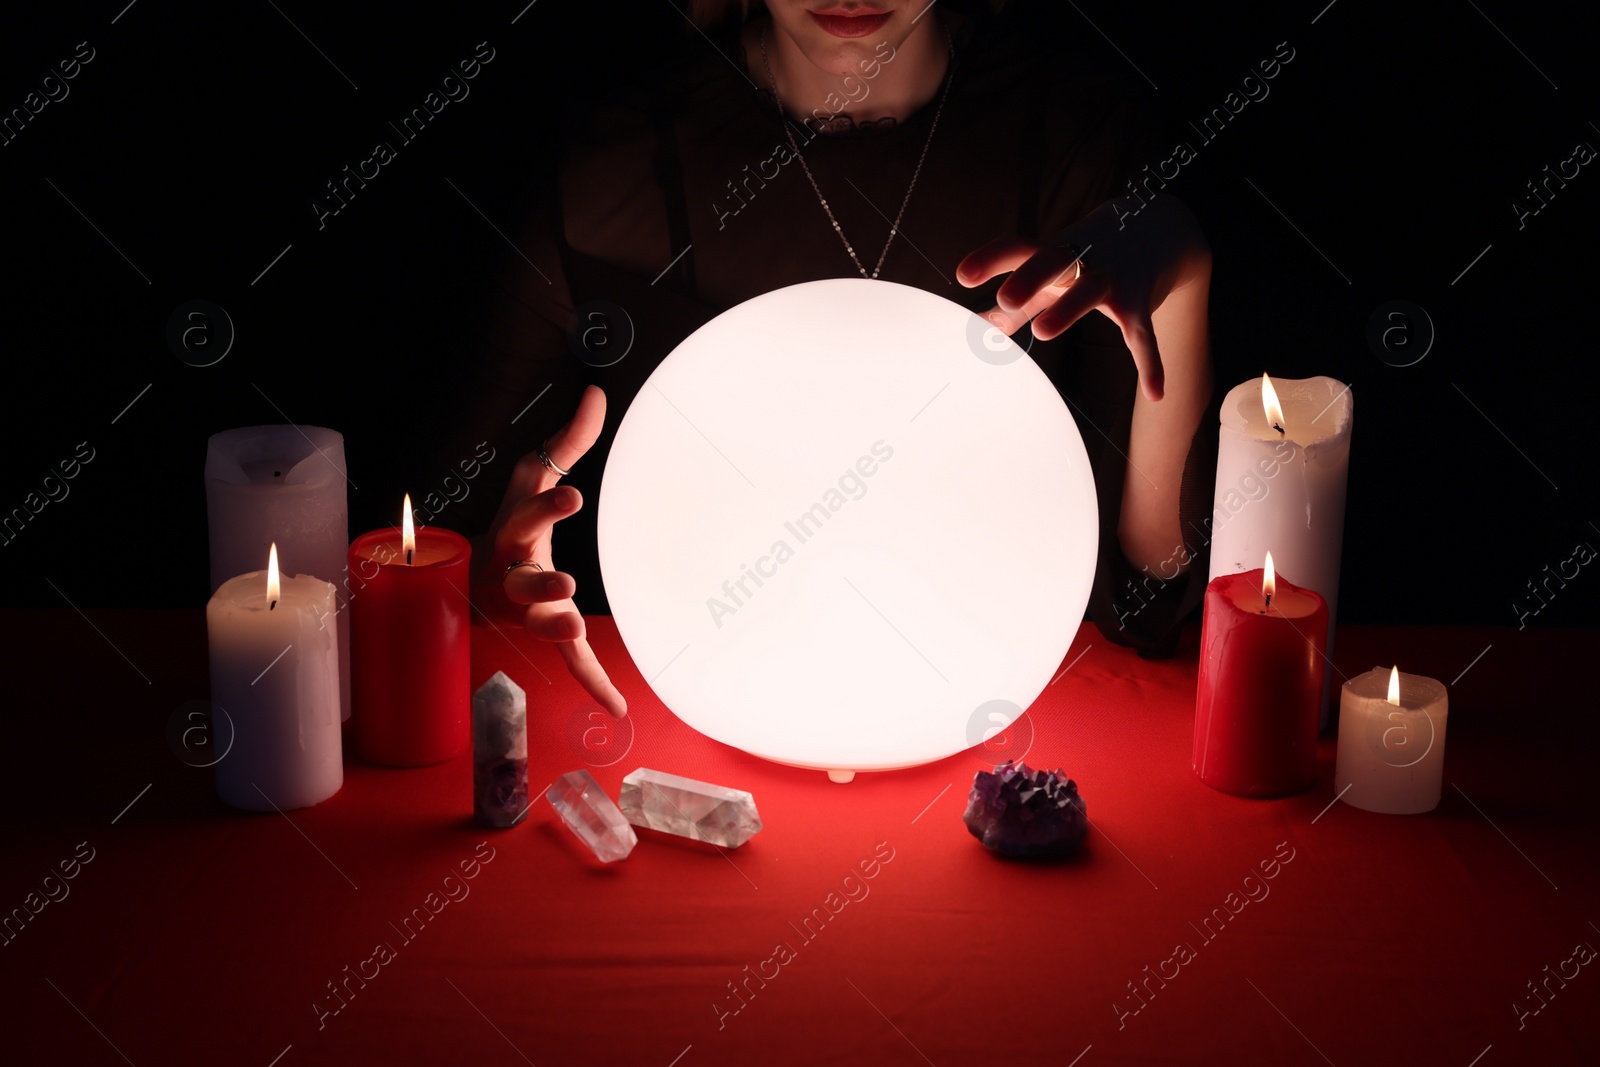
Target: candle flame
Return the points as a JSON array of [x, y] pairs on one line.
[[408, 531], [1269, 402], [1394, 686], [272, 576], [1269, 580]]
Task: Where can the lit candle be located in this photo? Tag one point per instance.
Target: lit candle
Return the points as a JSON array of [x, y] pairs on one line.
[[409, 656], [275, 673], [283, 485], [1262, 656], [1391, 741], [1283, 461]]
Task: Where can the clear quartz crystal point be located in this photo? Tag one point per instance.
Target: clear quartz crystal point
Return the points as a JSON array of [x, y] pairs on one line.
[[589, 813], [699, 811]]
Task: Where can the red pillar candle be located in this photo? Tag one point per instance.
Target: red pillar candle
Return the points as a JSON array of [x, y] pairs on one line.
[[410, 660], [1262, 648]]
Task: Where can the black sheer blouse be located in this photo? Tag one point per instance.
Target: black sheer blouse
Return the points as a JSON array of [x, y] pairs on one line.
[[678, 200]]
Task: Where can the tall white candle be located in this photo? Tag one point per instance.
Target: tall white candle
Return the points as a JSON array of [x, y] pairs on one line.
[[275, 672], [1281, 485], [1391, 741], [283, 484]]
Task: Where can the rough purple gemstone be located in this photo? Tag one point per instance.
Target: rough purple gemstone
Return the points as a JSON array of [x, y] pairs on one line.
[[1025, 813]]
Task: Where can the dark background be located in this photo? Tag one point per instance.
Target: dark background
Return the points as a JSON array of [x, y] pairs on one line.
[[196, 139]]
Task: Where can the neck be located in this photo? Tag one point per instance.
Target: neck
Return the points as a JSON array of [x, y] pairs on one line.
[[888, 83]]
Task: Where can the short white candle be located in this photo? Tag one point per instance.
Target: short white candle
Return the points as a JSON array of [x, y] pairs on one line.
[[1391, 742], [275, 673], [1281, 476]]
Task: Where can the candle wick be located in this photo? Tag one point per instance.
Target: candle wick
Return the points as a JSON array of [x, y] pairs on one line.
[[272, 605], [408, 557], [1269, 599], [1275, 426]]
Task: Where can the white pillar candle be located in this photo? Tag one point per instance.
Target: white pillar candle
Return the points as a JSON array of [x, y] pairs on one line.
[[275, 673], [1281, 485], [283, 484], [1391, 741]]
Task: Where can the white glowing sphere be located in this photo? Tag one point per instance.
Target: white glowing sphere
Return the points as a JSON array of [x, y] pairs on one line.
[[848, 525]]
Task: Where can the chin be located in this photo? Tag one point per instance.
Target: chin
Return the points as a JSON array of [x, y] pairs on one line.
[[847, 57]]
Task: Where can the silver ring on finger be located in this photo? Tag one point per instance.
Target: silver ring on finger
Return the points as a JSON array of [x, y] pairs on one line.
[[1076, 267], [544, 457], [522, 563]]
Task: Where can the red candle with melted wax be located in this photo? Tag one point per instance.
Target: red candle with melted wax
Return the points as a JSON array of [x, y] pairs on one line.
[[410, 661], [1262, 654]]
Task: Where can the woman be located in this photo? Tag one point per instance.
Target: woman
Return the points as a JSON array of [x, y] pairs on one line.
[[929, 145]]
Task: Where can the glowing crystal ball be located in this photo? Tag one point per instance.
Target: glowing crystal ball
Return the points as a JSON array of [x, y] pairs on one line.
[[843, 523]]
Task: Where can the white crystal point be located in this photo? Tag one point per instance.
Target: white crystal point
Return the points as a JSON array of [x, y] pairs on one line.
[[499, 720], [699, 811], [589, 813]]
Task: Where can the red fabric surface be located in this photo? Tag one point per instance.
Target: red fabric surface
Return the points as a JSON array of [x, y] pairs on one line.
[[200, 935]]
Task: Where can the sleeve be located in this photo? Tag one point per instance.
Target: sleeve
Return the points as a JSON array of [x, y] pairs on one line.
[[520, 383], [597, 222], [1101, 141]]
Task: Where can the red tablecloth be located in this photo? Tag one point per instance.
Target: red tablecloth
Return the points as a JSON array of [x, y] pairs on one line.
[[193, 934]]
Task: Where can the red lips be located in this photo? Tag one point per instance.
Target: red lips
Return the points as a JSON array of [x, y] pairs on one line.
[[856, 22]]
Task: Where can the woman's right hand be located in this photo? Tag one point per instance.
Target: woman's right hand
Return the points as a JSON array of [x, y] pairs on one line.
[[533, 504]]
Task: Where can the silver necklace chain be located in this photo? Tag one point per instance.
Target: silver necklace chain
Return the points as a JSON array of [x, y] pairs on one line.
[[894, 227]]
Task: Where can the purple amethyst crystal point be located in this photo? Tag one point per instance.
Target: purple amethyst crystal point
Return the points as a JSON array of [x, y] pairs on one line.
[[1024, 813], [499, 752], [500, 791]]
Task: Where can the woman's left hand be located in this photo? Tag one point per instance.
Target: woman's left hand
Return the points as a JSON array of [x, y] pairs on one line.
[[1132, 259]]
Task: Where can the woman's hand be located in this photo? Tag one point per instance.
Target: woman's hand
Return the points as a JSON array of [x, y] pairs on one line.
[[1147, 266], [1133, 259], [533, 504]]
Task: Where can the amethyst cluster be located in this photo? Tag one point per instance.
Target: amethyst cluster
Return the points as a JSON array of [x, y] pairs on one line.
[[1024, 813]]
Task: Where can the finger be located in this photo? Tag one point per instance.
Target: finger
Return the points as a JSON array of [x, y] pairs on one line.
[[567, 445], [582, 665], [1012, 320], [1001, 321], [1038, 273], [554, 623], [526, 585], [1009, 322], [1085, 294], [564, 447], [1138, 333], [1140, 336], [531, 519], [997, 257]]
